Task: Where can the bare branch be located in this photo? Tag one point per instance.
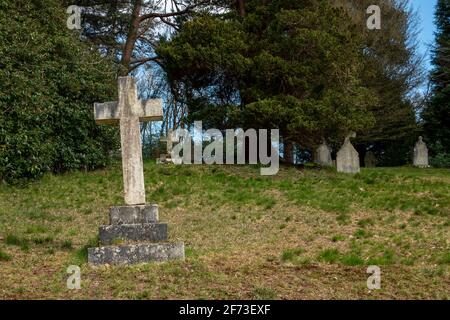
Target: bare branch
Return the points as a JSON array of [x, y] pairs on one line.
[[136, 63], [171, 14]]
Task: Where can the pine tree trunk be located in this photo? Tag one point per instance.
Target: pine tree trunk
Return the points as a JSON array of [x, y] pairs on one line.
[[241, 7], [131, 38]]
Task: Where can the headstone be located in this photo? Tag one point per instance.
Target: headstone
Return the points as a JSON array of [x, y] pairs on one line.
[[134, 234], [370, 161], [347, 159], [162, 159], [169, 140], [421, 154], [323, 155]]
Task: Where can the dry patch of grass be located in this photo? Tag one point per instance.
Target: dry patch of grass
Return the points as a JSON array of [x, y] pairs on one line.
[[299, 235]]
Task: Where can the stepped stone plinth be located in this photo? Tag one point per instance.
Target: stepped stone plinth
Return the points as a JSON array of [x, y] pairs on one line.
[[134, 236]]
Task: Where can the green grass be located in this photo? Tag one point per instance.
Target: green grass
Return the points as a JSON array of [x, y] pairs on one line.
[[43, 240], [360, 234], [4, 256], [36, 229], [247, 236], [385, 258], [365, 223], [329, 255], [13, 240], [81, 255], [445, 258], [337, 238], [66, 245], [264, 293], [291, 255], [352, 259]]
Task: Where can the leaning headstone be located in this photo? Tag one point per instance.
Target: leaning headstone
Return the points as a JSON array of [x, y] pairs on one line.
[[347, 159], [421, 154], [370, 161], [323, 155], [134, 233]]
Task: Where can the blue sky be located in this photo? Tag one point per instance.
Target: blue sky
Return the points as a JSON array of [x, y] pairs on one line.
[[425, 9]]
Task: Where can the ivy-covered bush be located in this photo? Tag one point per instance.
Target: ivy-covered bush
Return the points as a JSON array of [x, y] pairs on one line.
[[49, 81]]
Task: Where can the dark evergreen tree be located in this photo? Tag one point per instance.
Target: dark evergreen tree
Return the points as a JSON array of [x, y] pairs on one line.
[[393, 69], [436, 115], [287, 64], [308, 67]]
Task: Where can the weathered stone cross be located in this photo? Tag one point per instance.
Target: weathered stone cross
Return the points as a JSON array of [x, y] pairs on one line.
[[128, 112]]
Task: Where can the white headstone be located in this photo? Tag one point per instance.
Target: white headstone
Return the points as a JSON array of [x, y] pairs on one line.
[[323, 155], [347, 159], [421, 154], [169, 140]]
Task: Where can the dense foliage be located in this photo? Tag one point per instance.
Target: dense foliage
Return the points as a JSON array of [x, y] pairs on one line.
[[437, 113], [393, 70], [310, 68], [292, 65], [49, 80]]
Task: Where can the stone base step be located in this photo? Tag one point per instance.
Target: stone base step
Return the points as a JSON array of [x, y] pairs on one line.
[[136, 253], [133, 214], [113, 234]]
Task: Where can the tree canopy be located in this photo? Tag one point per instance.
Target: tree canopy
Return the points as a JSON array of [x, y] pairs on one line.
[[292, 65], [310, 68]]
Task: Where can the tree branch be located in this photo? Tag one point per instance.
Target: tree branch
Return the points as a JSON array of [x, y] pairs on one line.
[[173, 25], [136, 63], [171, 14]]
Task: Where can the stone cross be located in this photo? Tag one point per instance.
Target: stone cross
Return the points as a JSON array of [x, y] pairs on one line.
[[323, 155], [128, 111], [347, 159], [370, 161], [421, 154]]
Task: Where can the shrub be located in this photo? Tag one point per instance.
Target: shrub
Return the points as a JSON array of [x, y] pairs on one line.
[[441, 160], [48, 83]]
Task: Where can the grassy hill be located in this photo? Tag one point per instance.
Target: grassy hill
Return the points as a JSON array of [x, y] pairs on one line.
[[302, 234]]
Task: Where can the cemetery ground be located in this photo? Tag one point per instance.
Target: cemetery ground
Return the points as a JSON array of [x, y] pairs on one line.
[[302, 234]]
